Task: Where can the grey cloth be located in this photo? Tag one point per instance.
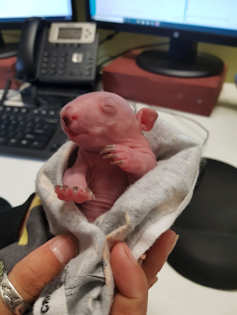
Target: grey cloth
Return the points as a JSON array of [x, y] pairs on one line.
[[139, 216]]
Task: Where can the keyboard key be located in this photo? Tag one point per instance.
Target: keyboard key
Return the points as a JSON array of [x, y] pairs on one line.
[[3, 133], [19, 135], [55, 147], [12, 142], [25, 143], [3, 141], [29, 137], [3, 127], [41, 138], [38, 145], [38, 131]]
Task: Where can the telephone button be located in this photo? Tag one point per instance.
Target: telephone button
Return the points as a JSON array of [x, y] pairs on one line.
[[61, 72], [76, 72], [45, 54], [53, 65], [44, 65], [87, 73], [43, 71], [52, 71]]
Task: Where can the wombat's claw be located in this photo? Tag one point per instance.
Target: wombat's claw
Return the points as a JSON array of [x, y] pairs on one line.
[[108, 148], [110, 156], [114, 155], [117, 162], [75, 194], [62, 190]]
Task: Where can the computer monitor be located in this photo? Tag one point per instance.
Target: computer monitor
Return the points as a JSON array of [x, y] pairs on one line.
[[14, 12], [185, 22]]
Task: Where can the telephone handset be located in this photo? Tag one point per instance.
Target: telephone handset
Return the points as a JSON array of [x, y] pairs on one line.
[[67, 53], [28, 50]]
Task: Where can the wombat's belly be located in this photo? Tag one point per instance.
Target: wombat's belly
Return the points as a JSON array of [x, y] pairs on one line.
[[107, 185]]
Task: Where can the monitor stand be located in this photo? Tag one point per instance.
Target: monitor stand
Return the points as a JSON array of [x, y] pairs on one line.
[[182, 60], [7, 49]]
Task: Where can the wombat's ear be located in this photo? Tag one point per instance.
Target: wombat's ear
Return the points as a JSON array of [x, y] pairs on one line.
[[147, 118], [108, 106]]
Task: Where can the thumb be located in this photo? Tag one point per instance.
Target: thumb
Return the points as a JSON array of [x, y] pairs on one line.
[[131, 283], [33, 272]]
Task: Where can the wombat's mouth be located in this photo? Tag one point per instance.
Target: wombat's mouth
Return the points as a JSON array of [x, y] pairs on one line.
[[71, 133], [74, 134]]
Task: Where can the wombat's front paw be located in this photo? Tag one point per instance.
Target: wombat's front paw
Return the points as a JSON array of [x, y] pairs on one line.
[[112, 152], [75, 194], [121, 155]]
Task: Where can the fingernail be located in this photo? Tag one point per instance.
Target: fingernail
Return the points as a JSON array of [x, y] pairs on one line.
[[173, 243], [153, 281], [129, 253], [64, 247]]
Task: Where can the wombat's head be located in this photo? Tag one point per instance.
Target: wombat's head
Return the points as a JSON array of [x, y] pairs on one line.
[[97, 119]]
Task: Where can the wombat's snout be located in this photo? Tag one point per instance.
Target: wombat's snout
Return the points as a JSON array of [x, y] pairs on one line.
[[68, 120]]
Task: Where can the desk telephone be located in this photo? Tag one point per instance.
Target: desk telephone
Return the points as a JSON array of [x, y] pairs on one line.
[[67, 54]]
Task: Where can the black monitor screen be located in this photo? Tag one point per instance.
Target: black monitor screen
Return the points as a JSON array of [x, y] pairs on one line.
[[212, 21]]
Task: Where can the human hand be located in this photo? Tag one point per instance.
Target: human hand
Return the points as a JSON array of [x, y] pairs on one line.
[[38, 268], [133, 280]]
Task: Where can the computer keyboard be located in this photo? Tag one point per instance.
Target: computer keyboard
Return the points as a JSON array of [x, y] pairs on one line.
[[30, 132]]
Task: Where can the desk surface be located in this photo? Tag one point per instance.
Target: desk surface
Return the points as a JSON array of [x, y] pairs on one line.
[[172, 294]]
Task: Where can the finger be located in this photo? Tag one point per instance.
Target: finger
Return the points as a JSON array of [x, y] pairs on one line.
[[131, 283], [33, 272], [158, 254]]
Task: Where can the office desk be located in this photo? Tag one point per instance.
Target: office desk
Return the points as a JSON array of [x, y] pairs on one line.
[[172, 294]]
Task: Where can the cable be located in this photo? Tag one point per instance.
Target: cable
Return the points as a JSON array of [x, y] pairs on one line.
[[127, 51], [109, 37], [6, 89], [11, 35], [190, 119], [133, 104]]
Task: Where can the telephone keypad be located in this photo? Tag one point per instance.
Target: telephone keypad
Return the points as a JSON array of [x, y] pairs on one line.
[[68, 62], [51, 63]]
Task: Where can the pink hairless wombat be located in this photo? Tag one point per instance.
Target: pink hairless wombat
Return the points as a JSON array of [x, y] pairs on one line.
[[113, 152]]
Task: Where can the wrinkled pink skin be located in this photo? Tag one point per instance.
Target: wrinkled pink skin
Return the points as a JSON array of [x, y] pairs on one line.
[[113, 151]]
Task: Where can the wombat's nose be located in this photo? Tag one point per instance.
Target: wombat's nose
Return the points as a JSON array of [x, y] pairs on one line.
[[67, 121]]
